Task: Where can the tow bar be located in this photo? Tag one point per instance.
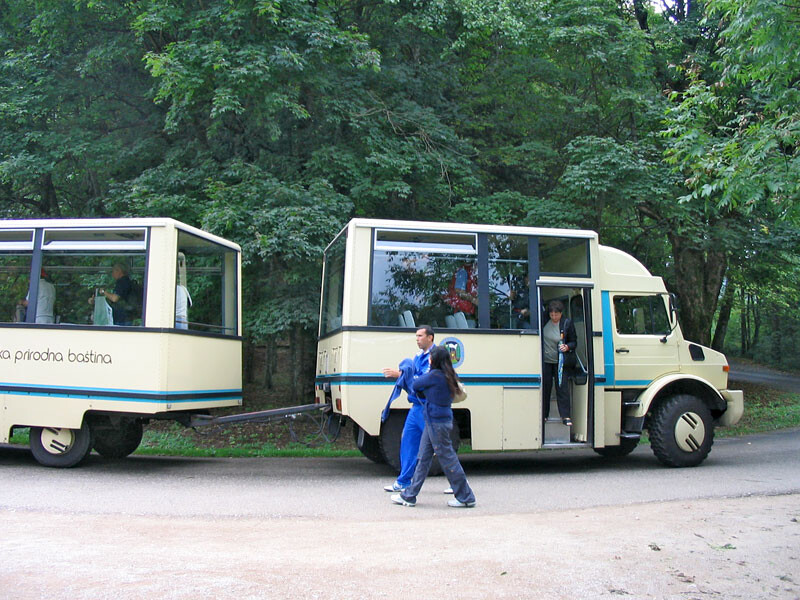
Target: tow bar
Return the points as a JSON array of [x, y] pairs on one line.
[[261, 416]]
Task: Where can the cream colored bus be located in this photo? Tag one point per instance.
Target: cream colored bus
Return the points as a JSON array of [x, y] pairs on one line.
[[382, 279], [107, 323]]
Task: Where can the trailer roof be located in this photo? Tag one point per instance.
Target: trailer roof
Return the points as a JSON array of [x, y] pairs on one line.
[[111, 223]]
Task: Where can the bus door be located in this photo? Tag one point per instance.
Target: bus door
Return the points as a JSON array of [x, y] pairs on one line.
[[643, 340], [576, 301]]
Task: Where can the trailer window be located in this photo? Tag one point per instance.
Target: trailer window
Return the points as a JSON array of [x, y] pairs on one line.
[[15, 270], [206, 293], [641, 315], [79, 277]]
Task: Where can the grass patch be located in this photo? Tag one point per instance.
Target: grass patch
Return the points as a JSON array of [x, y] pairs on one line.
[[298, 439], [21, 436], [765, 409]]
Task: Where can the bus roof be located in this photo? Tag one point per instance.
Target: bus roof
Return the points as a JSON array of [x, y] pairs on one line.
[[113, 222], [474, 227]]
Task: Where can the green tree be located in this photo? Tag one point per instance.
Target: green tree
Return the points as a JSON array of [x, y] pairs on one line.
[[73, 93]]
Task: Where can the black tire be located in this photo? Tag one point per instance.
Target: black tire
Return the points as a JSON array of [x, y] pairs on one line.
[[392, 431], [681, 431], [369, 445], [60, 447], [626, 446], [119, 441]]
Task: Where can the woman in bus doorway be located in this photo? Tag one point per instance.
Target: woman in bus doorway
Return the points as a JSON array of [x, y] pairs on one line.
[[438, 387], [559, 341]]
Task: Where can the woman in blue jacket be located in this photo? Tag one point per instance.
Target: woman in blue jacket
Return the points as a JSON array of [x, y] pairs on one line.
[[438, 387]]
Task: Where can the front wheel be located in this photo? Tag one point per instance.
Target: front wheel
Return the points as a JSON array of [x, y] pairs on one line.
[[681, 431], [60, 447]]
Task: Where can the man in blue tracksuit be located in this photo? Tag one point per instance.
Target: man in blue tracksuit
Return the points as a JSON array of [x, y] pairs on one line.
[[415, 421]]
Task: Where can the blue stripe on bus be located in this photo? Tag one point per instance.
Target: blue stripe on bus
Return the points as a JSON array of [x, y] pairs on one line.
[[121, 395], [511, 379], [608, 339]]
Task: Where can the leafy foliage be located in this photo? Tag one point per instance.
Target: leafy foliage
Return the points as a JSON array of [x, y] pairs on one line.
[[672, 132]]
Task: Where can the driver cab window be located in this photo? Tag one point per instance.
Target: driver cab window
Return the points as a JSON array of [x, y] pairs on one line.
[[641, 315]]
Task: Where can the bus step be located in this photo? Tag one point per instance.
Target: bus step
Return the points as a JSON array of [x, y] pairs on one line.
[[630, 436], [555, 432]]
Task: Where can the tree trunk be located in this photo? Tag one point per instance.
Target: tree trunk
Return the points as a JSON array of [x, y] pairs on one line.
[[756, 322], [294, 355], [699, 274], [248, 352], [269, 362], [743, 324], [721, 330]]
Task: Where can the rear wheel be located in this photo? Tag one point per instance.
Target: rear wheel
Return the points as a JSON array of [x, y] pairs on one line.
[[626, 446], [117, 441], [369, 445], [60, 447], [392, 432], [681, 431]]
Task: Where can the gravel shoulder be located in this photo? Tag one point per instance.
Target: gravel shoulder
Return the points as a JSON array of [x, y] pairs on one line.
[[728, 548]]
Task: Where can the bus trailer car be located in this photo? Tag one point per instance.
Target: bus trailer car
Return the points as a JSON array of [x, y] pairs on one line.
[[635, 371], [109, 323]]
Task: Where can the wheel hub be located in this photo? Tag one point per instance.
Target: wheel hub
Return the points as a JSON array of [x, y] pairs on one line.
[[57, 441], [690, 432]]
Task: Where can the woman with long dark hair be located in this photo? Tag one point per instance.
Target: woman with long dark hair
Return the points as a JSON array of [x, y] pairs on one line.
[[438, 387]]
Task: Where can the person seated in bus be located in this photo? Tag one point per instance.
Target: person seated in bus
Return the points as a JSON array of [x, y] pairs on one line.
[[462, 294], [559, 338], [182, 303], [122, 297], [45, 299], [520, 305]]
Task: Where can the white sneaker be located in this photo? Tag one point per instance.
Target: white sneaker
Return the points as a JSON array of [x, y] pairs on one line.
[[398, 499], [448, 491], [395, 487], [457, 504]]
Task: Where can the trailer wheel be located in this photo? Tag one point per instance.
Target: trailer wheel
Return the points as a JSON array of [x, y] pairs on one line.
[[392, 431], [626, 446], [54, 447], [119, 441], [681, 431], [369, 445]]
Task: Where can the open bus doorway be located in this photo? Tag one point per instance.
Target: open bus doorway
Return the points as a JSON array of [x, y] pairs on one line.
[[576, 308]]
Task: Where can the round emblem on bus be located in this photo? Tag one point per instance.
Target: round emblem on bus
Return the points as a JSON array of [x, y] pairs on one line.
[[456, 348]]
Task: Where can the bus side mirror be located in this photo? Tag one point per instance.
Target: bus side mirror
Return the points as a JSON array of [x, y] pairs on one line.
[[673, 309], [673, 316]]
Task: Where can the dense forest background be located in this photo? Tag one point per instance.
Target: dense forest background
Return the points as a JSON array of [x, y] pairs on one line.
[[671, 127]]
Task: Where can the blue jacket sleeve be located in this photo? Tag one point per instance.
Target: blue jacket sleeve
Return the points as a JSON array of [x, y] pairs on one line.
[[403, 383]]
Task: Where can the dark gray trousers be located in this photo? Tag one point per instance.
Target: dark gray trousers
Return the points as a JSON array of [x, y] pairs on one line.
[[436, 439]]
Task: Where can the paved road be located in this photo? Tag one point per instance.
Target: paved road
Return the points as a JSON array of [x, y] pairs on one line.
[[350, 488], [764, 375], [550, 525]]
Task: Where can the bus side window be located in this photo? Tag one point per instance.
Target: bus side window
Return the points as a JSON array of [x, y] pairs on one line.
[[641, 315]]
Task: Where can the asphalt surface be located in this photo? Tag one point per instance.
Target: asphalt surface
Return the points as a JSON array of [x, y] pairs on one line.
[[556, 524], [549, 525], [351, 488], [763, 375]]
